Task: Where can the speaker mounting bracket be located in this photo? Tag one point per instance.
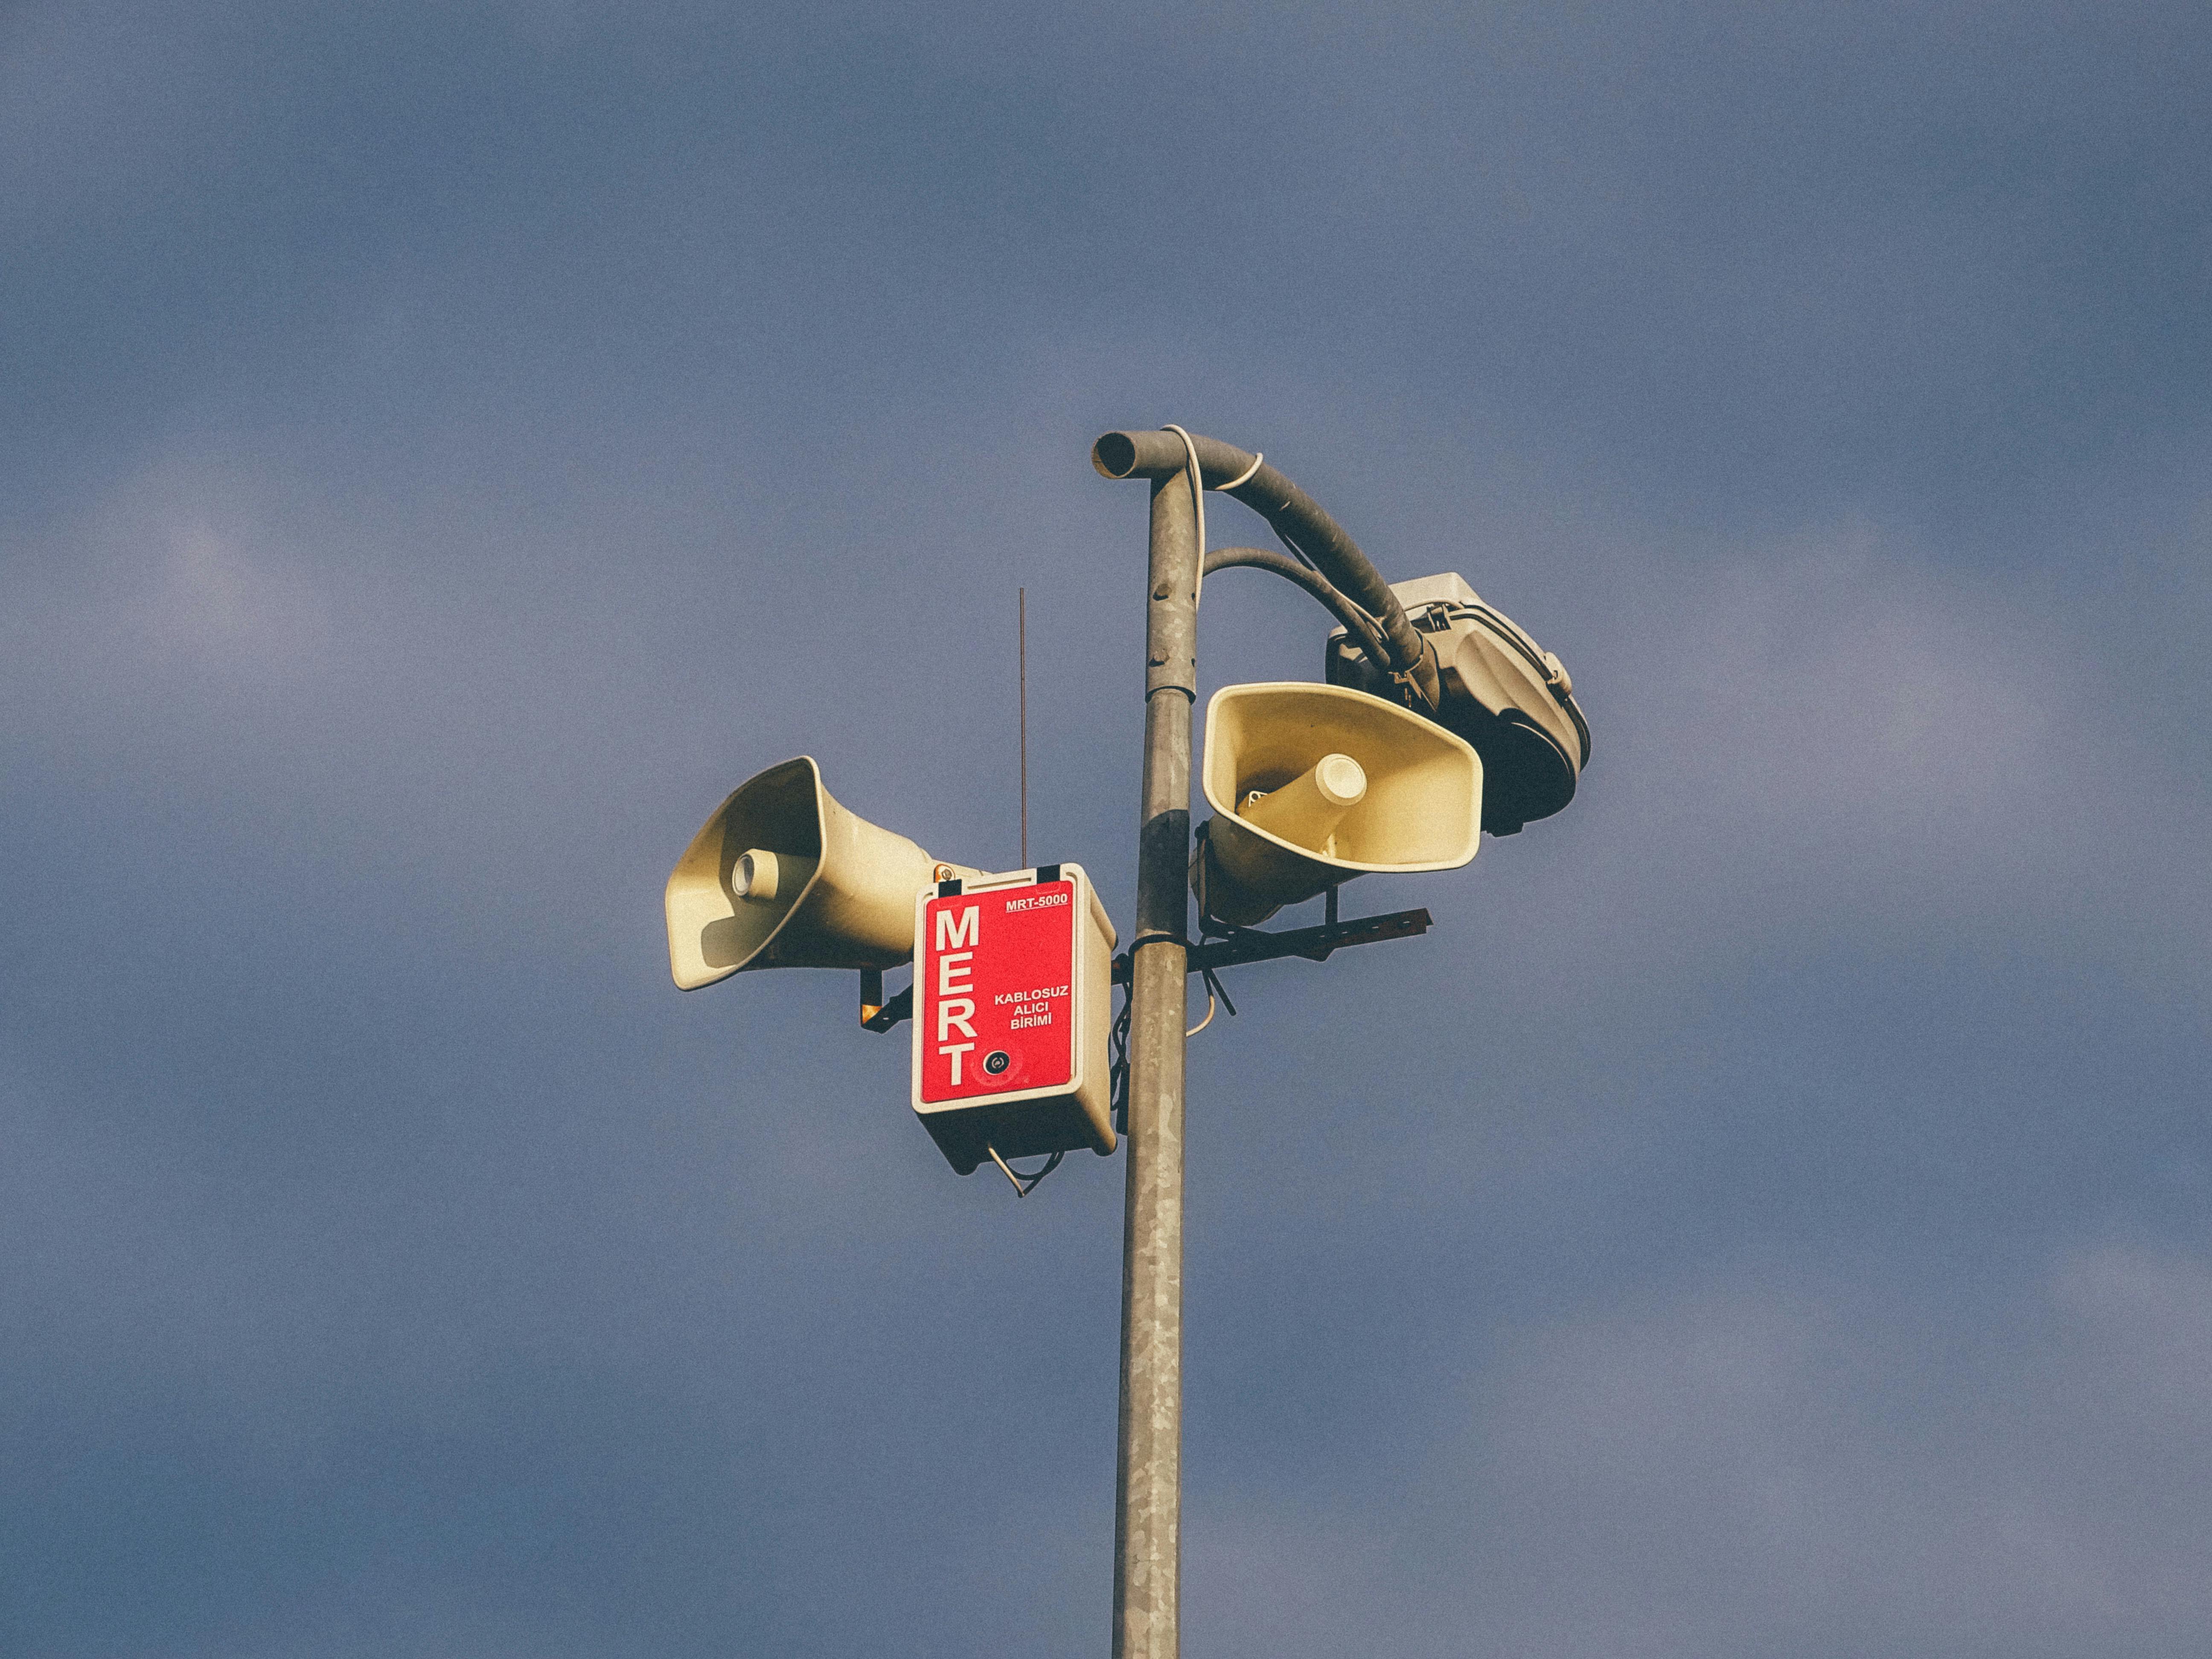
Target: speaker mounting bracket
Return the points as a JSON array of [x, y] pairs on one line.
[[1313, 944], [878, 1012]]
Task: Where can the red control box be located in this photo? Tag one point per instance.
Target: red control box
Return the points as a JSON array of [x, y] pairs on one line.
[[1011, 989]]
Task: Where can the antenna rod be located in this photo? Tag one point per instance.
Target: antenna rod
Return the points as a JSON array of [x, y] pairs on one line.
[[1022, 654]]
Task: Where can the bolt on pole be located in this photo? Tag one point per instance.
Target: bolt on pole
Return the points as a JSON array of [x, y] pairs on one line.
[[1148, 1498]]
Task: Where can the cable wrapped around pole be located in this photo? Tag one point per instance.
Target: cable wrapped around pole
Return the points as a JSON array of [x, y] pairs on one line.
[[1298, 519]]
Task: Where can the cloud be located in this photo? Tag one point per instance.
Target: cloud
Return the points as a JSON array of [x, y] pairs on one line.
[[1756, 1465], [1830, 741], [178, 585]]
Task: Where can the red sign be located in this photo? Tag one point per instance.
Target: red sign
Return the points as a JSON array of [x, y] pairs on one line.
[[995, 985]]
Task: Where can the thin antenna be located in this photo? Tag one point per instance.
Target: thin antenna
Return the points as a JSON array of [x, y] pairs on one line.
[[1022, 655]]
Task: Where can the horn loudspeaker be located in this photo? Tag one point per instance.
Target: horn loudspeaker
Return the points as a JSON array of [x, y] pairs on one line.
[[1312, 785], [782, 875]]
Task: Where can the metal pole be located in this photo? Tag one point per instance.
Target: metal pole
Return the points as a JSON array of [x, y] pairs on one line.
[[1148, 1498]]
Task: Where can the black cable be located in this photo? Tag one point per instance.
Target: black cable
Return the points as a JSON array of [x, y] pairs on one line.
[[1117, 1074], [1028, 1183], [1213, 989], [1365, 631]]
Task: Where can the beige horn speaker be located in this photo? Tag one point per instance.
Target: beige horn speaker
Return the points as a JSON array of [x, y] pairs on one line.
[[1312, 785], [783, 877]]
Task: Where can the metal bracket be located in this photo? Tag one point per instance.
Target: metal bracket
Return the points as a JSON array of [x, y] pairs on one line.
[[876, 1013], [1314, 943]]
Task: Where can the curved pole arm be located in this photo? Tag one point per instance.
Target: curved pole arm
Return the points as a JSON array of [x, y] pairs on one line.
[[1357, 622], [1297, 519]]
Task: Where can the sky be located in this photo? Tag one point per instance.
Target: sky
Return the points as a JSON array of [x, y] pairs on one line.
[[446, 449]]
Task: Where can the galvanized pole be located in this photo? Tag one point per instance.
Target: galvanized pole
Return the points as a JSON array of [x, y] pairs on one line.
[[1148, 1507], [1148, 1500]]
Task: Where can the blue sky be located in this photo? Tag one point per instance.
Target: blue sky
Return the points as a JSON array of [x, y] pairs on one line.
[[448, 449]]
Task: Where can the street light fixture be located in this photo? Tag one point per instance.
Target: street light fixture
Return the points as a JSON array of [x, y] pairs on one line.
[[1440, 718]]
